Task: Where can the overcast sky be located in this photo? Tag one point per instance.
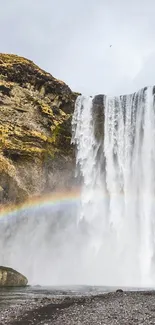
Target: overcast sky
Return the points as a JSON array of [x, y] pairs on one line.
[[71, 39]]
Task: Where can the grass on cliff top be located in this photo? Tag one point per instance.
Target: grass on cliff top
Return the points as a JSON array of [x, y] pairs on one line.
[[11, 59]]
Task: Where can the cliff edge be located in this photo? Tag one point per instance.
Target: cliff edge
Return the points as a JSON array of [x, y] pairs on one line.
[[35, 130]]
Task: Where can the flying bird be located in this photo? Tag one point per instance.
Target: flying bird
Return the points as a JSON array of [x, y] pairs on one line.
[[110, 45]]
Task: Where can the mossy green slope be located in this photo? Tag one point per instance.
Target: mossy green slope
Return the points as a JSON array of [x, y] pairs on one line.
[[35, 128]]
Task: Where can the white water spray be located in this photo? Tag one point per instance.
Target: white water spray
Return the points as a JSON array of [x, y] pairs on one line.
[[117, 201], [109, 237]]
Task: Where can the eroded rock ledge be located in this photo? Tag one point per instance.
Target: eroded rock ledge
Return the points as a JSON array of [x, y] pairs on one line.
[[35, 130]]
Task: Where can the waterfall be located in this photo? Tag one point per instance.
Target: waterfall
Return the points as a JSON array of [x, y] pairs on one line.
[[108, 236], [117, 169]]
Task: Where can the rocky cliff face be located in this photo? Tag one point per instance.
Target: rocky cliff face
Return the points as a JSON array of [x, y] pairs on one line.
[[35, 130]]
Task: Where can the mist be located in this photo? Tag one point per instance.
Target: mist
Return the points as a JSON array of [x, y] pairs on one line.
[[51, 246]]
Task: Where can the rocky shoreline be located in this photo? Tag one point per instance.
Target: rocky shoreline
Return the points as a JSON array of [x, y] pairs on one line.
[[127, 308]]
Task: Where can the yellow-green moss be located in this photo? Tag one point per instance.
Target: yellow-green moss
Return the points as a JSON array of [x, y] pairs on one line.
[[46, 109], [7, 167], [2, 77], [35, 115], [11, 59]]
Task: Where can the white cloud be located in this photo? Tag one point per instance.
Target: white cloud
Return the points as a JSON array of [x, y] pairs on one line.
[[71, 40]]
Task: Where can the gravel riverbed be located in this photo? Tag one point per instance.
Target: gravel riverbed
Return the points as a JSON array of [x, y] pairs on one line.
[[127, 308]]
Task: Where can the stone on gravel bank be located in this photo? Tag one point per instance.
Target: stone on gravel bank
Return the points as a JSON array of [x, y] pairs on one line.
[[11, 278]]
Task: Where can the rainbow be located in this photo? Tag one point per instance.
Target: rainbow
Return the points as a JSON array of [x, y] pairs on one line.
[[54, 199]]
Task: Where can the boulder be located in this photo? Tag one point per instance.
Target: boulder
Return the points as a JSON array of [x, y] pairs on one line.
[[119, 290], [11, 278]]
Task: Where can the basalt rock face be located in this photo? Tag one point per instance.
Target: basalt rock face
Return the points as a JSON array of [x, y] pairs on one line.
[[35, 130], [11, 278], [98, 116]]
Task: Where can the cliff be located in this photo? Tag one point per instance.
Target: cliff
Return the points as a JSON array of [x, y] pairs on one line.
[[35, 130]]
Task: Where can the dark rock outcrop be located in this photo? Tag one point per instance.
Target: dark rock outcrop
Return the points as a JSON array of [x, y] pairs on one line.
[[35, 130], [119, 290], [11, 278], [98, 116]]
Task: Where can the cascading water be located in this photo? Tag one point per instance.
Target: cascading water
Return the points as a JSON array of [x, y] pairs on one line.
[[117, 200], [108, 238]]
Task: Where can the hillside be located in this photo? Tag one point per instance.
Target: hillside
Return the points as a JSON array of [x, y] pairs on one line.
[[35, 130]]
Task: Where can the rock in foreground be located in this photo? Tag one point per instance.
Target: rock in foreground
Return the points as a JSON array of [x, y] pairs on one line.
[[11, 278]]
